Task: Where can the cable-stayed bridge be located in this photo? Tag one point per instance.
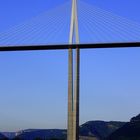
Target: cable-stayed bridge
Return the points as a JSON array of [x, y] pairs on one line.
[[73, 25]]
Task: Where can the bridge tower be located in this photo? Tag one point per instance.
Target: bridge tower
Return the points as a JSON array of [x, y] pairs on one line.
[[73, 87]]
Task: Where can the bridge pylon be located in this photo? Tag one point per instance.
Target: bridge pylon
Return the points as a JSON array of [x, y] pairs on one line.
[[73, 87]]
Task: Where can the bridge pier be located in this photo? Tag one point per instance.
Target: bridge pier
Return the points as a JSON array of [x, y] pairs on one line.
[[76, 98], [73, 97], [73, 92], [70, 96]]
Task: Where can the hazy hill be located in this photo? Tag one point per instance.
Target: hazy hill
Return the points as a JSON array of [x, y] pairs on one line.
[[2, 137], [9, 135], [92, 130], [130, 131], [99, 129], [31, 134], [87, 138]]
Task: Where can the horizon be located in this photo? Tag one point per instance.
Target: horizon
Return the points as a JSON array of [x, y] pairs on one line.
[[56, 128], [28, 78]]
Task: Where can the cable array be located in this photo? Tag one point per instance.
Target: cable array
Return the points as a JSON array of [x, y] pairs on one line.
[[101, 26], [52, 27]]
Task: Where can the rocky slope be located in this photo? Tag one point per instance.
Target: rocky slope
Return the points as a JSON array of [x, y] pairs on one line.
[[130, 131]]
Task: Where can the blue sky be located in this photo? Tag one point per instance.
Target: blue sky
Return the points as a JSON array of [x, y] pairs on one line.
[[34, 84]]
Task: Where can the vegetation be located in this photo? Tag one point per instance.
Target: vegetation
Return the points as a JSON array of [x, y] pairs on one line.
[[130, 131]]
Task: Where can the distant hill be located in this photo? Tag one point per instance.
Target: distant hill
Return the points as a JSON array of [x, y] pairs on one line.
[[130, 131], [87, 138], [99, 129], [92, 130], [31, 134], [9, 135], [135, 119], [2, 137]]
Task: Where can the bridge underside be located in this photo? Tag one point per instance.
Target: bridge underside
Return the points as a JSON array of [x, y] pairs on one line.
[[73, 46]]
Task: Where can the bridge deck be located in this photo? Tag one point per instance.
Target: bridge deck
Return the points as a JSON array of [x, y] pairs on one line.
[[59, 47]]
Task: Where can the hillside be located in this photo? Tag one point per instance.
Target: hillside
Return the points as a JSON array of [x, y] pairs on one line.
[[99, 129], [87, 138], [2, 137], [92, 130], [31, 134], [9, 135], [130, 131]]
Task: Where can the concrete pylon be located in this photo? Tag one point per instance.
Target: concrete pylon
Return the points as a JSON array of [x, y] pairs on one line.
[[70, 97], [73, 97]]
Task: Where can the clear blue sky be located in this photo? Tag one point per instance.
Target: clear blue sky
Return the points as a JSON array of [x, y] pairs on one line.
[[33, 85]]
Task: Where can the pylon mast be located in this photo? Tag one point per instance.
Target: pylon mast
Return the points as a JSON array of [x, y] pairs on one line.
[[74, 23], [73, 97]]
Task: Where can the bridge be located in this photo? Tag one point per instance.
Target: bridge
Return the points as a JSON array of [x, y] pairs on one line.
[[65, 27]]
